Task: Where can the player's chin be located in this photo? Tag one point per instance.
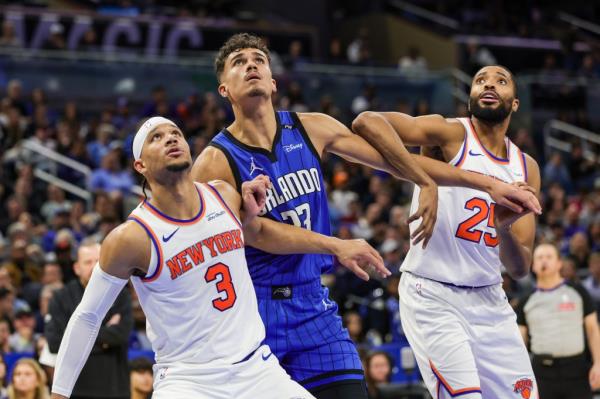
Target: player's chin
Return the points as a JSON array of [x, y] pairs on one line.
[[179, 165]]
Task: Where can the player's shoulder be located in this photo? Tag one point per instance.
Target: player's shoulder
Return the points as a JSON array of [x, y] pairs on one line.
[[214, 163], [317, 119], [127, 244]]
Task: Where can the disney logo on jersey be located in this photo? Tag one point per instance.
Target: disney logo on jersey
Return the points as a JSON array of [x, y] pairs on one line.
[[254, 167], [214, 215], [292, 147]]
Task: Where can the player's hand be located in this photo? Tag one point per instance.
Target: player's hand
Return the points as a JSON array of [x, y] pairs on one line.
[[516, 197], [504, 217], [427, 212], [595, 376], [360, 258], [254, 195]]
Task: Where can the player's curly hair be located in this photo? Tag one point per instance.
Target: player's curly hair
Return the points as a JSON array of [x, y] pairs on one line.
[[237, 42]]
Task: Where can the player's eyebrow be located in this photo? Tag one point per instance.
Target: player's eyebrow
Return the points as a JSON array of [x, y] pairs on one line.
[[235, 57], [502, 74]]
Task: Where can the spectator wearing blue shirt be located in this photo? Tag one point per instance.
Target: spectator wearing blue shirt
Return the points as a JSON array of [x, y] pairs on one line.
[[111, 177], [98, 148]]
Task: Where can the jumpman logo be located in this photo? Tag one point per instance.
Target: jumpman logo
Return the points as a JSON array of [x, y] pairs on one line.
[[253, 167]]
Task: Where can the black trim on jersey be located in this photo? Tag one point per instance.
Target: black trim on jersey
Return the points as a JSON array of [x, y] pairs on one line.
[[304, 134], [332, 374], [355, 387], [269, 154], [232, 165]]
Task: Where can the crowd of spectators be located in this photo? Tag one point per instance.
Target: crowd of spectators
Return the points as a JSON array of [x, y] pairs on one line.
[[41, 225]]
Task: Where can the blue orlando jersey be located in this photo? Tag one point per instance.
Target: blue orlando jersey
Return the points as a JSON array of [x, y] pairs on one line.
[[298, 197]]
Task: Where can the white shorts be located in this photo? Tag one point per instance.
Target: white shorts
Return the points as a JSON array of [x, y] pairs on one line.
[[260, 376], [466, 340]]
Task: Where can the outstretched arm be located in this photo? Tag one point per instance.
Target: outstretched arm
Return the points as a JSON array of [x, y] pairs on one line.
[[107, 281], [388, 131], [282, 238]]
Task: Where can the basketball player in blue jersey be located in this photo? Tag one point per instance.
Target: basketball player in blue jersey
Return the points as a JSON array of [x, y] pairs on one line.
[[303, 326], [452, 306]]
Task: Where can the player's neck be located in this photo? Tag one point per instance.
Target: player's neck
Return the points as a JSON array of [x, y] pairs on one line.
[[255, 125], [135, 394], [549, 282], [492, 135], [178, 200]]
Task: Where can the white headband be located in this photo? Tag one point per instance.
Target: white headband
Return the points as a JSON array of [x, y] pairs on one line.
[[144, 130]]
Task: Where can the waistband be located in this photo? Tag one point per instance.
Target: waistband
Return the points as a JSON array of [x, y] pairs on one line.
[[288, 291], [469, 287]]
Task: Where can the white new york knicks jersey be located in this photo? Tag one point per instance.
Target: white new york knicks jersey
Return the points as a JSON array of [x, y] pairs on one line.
[[463, 249], [198, 297]]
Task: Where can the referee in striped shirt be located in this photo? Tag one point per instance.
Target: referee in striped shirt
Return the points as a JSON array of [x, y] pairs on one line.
[[556, 319]]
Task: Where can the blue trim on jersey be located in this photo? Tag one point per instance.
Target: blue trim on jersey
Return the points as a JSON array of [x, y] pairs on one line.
[[524, 165], [330, 380], [146, 202], [156, 248], [464, 149]]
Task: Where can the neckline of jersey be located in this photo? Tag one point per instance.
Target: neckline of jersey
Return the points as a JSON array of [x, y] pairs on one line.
[[269, 154], [488, 152], [163, 216]]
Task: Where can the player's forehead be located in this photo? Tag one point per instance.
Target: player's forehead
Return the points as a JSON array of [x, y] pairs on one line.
[[247, 51], [163, 128], [492, 71]]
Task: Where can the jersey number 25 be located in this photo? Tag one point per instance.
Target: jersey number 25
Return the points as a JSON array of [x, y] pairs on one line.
[[467, 231]]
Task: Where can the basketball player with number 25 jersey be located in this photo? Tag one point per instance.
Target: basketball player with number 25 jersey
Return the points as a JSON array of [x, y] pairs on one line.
[[184, 252], [452, 306]]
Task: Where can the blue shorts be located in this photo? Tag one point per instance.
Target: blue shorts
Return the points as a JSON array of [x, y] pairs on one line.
[[306, 334]]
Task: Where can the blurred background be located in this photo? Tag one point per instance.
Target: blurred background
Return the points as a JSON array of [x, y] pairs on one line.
[[77, 76]]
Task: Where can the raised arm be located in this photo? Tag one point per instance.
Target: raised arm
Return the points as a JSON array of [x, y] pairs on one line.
[[282, 238], [124, 247]]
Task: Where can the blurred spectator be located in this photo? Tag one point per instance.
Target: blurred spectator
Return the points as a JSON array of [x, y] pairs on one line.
[[141, 378], [592, 282], [56, 201], [367, 100], [556, 171], [159, 95], [9, 38], [336, 52], [358, 50], [24, 338], [294, 99], [89, 42], [28, 381], [353, 322], [276, 64], [579, 249], [105, 375], [294, 58], [111, 177], [378, 370], [413, 63], [56, 41], [98, 148], [569, 270], [14, 94], [4, 343], [13, 126], [478, 56]]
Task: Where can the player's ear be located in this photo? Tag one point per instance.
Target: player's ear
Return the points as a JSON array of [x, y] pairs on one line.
[[139, 166], [515, 105], [274, 84], [222, 89]]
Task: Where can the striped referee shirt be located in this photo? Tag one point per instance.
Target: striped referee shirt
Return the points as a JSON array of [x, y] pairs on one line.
[[555, 319]]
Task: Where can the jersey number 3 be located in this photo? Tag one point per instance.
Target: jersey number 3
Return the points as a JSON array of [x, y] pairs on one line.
[[223, 286], [467, 231]]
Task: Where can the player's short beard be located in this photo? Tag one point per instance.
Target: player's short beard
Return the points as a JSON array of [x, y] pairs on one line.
[[257, 92], [179, 167], [489, 114]]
